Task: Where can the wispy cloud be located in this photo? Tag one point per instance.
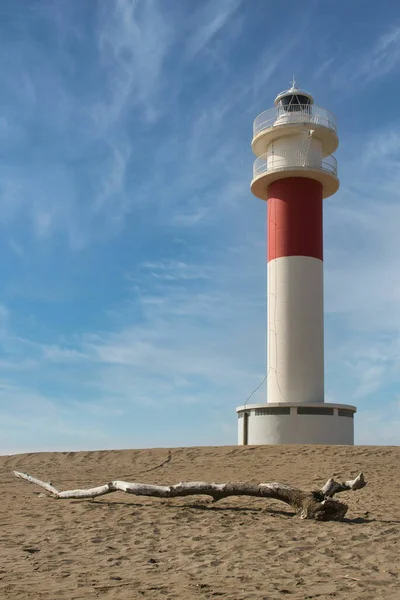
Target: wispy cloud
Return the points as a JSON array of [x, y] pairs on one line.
[[112, 181], [362, 255], [384, 57], [17, 248], [380, 59], [173, 270], [324, 67], [361, 266], [210, 21], [375, 426], [34, 412], [190, 341], [134, 38]]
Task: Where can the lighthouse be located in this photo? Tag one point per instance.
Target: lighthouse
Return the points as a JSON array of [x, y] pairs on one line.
[[294, 171]]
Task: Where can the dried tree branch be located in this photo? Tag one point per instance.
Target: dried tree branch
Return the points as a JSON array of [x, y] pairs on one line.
[[311, 505]]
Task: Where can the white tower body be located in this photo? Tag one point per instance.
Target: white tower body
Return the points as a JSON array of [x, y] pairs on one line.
[[294, 171]]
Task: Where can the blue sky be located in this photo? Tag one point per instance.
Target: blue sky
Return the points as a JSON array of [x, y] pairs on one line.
[[133, 292]]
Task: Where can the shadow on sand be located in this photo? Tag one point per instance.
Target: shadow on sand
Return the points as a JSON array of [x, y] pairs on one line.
[[93, 504]]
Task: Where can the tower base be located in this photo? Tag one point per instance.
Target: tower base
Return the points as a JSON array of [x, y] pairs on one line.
[[286, 423]]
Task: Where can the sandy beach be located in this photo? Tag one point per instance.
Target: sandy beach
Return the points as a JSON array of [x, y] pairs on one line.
[[124, 547]]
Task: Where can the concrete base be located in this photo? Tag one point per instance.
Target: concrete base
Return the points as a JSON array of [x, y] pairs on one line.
[[284, 423]]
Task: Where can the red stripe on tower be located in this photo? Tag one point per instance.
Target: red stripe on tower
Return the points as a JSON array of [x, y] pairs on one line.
[[295, 218]]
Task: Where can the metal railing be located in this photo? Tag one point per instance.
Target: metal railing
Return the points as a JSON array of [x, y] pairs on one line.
[[300, 113], [270, 162]]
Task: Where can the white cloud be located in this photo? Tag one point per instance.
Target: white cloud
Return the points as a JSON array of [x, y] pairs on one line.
[[212, 18], [28, 417], [381, 58], [198, 343], [378, 426], [362, 254], [324, 67], [134, 38], [361, 231], [112, 180], [42, 221], [17, 248], [174, 270], [384, 57]]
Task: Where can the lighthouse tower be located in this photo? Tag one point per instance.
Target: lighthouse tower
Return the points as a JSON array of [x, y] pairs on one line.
[[295, 170]]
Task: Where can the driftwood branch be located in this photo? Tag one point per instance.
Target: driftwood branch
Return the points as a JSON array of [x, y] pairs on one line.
[[310, 505]]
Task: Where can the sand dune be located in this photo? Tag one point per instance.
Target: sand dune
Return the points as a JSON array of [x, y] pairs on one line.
[[125, 547]]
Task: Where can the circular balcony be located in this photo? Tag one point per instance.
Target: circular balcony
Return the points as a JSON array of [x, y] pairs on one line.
[[279, 121], [270, 167]]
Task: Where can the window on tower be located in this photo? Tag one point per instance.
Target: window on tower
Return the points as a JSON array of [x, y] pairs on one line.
[[295, 103]]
